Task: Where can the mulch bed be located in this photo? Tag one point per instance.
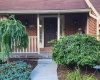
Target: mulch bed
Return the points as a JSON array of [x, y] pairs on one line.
[[63, 71]]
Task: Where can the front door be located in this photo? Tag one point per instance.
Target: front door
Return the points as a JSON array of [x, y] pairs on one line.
[[50, 30]]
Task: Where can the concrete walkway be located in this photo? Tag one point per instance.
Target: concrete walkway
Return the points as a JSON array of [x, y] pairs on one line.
[[45, 70]]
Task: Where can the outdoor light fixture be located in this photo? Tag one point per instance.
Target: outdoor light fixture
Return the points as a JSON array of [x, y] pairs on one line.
[[75, 20], [27, 23], [40, 25]]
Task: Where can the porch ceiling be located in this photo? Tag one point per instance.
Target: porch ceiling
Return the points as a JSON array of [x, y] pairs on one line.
[[44, 6]]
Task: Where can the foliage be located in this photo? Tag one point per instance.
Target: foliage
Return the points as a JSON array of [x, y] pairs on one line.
[[11, 30], [76, 75], [18, 70], [78, 49]]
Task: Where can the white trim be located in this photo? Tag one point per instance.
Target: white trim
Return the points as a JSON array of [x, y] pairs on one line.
[[58, 27], [44, 11], [92, 16], [42, 29], [97, 29], [42, 18], [87, 25], [93, 8], [38, 33]]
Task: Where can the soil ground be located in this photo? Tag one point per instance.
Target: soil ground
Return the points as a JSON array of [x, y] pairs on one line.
[[63, 71]]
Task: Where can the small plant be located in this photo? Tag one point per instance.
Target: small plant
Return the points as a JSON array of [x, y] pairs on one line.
[[78, 49], [18, 70], [76, 75]]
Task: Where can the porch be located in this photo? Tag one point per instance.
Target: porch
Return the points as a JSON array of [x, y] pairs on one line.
[[42, 28]]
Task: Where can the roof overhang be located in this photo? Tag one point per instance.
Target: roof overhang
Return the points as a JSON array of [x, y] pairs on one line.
[[91, 6], [44, 11]]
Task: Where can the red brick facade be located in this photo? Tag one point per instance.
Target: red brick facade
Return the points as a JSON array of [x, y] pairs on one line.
[[72, 23], [75, 21], [70, 26], [31, 20], [92, 26]]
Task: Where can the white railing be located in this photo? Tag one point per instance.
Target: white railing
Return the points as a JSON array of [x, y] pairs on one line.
[[32, 46]]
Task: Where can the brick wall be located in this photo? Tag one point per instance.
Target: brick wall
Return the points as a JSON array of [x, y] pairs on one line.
[[92, 26], [75, 21], [31, 20]]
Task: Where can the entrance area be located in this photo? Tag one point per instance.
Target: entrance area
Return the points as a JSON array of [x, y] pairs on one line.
[[43, 28], [50, 30]]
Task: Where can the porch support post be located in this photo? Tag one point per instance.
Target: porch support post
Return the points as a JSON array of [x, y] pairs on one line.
[[87, 24], [58, 27], [38, 32], [97, 29]]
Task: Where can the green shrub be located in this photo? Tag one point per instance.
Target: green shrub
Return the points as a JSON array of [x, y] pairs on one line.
[[76, 75], [18, 70], [78, 49]]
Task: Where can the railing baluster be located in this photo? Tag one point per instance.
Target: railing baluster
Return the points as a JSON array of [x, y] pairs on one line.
[[29, 43], [35, 44], [14, 46], [23, 50], [31, 46], [32, 43]]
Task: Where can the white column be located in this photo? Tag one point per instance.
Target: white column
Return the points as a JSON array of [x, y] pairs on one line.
[[58, 27], [97, 29], [38, 34], [87, 25]]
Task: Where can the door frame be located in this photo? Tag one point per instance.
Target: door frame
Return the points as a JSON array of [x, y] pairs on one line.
[[42, 23]]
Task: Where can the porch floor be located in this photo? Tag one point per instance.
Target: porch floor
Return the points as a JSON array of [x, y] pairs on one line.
[[45, 70]]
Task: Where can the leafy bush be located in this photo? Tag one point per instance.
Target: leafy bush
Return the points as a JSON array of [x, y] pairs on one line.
[[78, 49], [18, 70], [11, 31], [76, 75]]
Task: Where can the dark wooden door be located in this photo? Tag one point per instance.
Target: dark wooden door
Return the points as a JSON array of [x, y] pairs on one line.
[[50, 30]]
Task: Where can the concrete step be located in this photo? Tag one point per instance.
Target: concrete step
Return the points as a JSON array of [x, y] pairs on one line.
[[46, 61]]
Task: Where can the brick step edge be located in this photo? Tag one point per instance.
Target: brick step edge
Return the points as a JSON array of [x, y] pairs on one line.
[[31, 55]]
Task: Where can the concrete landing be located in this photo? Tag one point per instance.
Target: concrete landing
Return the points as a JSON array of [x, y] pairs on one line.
[[45, 70]]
